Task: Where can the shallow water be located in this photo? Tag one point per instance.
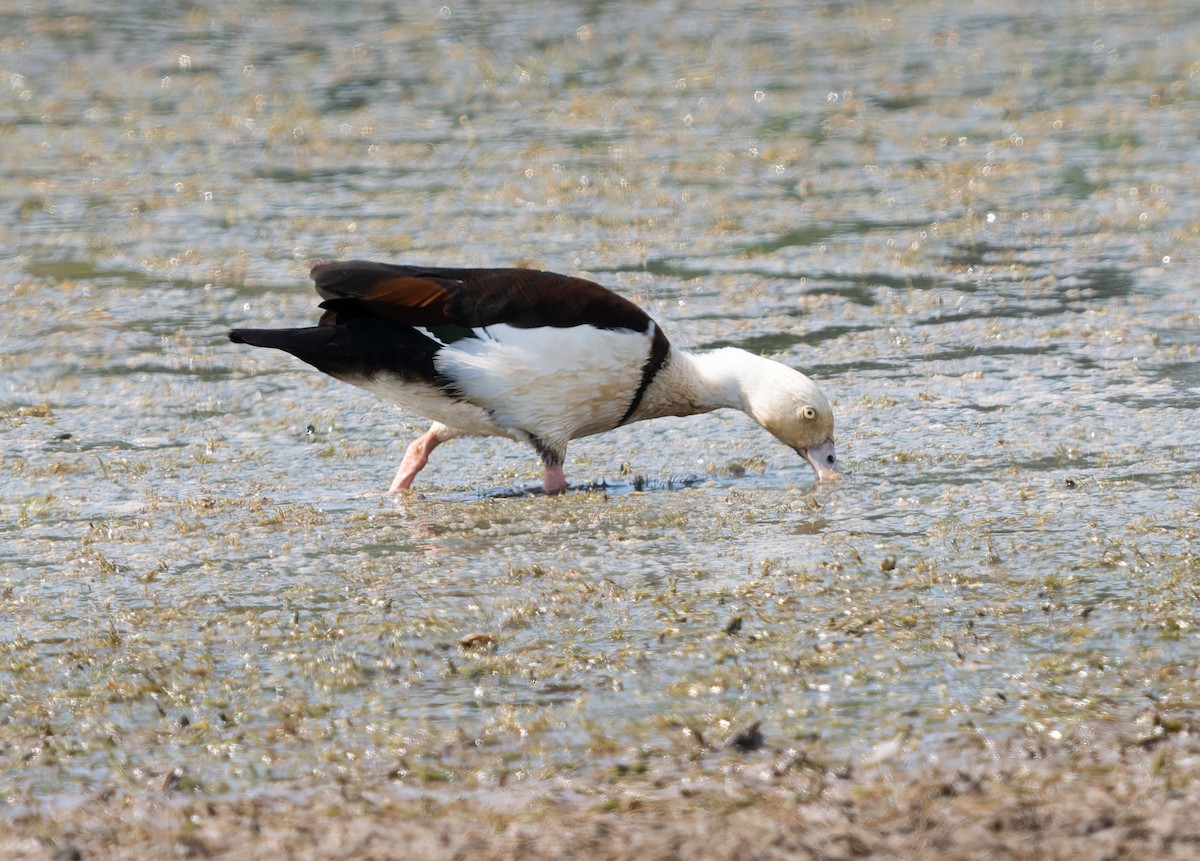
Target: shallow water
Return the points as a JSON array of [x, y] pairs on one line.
[[973, 227]]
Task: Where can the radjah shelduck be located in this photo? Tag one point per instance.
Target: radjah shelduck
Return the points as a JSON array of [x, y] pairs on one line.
[[533, 356]]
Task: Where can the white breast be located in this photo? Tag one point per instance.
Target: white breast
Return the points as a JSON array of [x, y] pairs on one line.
[[555, 383]]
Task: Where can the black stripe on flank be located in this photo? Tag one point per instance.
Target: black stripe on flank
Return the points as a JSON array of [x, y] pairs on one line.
[[549, 456], [659, 348]]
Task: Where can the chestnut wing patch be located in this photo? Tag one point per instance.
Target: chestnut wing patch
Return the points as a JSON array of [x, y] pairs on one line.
[[455, 303]]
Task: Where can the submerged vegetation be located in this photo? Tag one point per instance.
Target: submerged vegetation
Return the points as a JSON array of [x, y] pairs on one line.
[[218, 636]]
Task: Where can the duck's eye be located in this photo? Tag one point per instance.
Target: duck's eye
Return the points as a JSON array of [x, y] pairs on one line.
[[830, 459], [809, 413]]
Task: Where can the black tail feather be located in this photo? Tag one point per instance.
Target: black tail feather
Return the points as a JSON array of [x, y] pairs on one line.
[[360, 348]]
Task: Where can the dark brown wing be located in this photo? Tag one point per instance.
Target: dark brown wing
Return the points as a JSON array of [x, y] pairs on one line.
[[470, 298]]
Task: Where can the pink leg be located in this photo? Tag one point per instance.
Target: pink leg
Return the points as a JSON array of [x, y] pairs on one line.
[[553, 480], [417, 455]]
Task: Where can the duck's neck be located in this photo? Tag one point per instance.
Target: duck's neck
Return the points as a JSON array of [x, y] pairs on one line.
[[691, 383]]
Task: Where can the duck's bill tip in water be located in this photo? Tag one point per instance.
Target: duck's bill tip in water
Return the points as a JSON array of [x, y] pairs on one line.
[[823, 459]]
